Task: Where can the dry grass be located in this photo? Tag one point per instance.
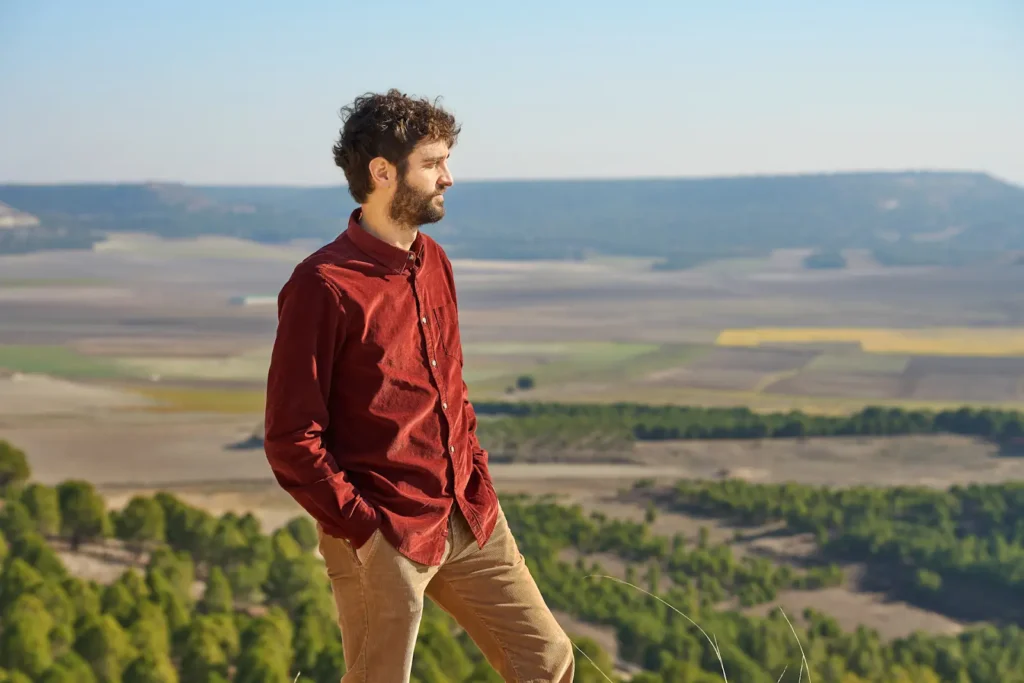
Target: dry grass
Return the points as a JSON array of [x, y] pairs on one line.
[[949, 341]]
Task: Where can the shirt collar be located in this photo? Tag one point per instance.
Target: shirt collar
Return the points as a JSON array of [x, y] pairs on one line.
[[388, 255]]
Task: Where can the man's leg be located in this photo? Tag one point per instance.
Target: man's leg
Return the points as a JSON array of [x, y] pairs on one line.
[[379, 594], [492, 595]]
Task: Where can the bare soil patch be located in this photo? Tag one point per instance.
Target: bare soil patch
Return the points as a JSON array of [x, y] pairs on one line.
[[704, 378], [100, 562], [29, 396], [960, 365], [161, 346], [139, 448], [851, 609], [939, 461], [767, 360], [845, 385], [966, 388]]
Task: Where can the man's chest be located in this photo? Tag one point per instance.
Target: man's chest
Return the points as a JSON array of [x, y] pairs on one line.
[[405, 322]]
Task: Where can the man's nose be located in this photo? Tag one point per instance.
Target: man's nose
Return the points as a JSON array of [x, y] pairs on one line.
[[446, 179]]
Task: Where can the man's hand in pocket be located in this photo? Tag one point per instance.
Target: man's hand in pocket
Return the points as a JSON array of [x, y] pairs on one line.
[[363, 551]]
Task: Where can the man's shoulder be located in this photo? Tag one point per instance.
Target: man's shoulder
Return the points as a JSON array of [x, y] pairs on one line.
[[333, 264]]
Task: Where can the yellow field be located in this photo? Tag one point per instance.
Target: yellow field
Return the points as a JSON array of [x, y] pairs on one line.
[[942, 341], [188, 400]]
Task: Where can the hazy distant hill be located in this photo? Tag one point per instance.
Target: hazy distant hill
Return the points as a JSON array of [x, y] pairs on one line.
[[928, 217], [170, 210]]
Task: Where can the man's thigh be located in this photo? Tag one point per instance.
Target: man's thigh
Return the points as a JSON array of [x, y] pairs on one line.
[[493, 596], [379, 595]]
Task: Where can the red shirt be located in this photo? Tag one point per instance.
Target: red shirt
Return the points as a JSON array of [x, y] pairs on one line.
[[368, 423]]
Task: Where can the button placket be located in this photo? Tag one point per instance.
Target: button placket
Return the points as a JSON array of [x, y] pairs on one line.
[[431, 344]]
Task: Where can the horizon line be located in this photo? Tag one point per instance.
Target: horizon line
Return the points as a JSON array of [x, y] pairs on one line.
[[540, 179]]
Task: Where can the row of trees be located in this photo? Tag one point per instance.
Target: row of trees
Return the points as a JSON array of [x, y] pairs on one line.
[[970, 537], [552, 437], [535, 420]]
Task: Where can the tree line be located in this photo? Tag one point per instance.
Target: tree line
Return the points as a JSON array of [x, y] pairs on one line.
[[514, 422]]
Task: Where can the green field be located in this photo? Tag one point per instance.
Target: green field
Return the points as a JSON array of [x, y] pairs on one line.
[[58, 361]]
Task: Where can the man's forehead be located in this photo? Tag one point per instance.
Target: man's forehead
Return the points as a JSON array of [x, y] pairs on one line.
[[431, 148]]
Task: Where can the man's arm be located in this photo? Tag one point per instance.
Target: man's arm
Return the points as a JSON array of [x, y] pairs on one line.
[[302, 364]]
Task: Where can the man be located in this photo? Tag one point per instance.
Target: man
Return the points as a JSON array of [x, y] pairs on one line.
[[369, 427]]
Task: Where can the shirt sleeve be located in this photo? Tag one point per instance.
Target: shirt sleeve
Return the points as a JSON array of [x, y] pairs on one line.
[[302, 365]]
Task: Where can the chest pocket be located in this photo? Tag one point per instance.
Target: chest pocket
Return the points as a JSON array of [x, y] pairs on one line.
[[446, 317]]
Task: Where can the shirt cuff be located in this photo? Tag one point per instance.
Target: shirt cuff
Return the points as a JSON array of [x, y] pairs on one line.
[[341, 512]]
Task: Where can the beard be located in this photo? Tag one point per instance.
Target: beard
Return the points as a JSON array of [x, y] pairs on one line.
[[413, 208]]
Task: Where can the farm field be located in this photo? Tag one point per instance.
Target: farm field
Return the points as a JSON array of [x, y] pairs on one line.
[[159, 319], [767, 378]]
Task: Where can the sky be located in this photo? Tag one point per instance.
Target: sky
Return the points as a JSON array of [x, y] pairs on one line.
[[232, 92]]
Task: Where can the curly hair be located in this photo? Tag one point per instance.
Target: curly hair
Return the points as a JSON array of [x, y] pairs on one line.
[[387, 125]]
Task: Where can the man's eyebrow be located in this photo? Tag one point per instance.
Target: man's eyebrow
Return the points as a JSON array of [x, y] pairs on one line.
[[437, 157]]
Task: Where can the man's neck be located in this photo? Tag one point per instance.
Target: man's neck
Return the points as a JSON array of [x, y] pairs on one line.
[[383, 228]]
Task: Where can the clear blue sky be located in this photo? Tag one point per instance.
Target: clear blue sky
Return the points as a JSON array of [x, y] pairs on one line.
[[224, 91]]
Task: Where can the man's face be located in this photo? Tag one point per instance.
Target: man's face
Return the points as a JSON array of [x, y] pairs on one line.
[[419, 194]]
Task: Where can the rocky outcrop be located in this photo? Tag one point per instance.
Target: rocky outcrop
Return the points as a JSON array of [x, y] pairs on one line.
[[11, 218]]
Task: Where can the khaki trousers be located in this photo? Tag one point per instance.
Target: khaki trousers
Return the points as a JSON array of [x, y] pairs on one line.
[[489, 591]]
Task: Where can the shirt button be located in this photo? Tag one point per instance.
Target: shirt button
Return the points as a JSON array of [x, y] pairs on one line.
[[451, 449], [433, 362], [444, 406], [411, 256], [423, 320]]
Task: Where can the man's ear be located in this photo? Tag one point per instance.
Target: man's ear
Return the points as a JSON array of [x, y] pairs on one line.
[[382, 173]]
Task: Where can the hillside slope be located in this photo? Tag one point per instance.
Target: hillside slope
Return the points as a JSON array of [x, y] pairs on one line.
[[926, 217]]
